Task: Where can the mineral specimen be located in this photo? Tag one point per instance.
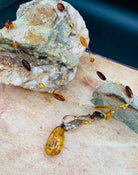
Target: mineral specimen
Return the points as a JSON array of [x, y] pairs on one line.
[[46, 41]]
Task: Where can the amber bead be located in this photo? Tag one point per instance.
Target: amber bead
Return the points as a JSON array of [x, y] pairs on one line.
[[109, 114], [128, 91], [15, 45], [83, 41], [60, 7], [122, 106], [92, 60], [9, 24], [71, 25], [101, 75], [100, 107], [41, 85], [55, 141], [58, 96], [86, 122], [26, 65]]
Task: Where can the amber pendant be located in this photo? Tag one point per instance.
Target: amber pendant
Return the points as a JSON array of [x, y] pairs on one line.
[[55, 141]]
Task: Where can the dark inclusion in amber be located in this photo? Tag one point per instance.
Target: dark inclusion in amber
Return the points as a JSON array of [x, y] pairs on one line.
[[128, 91], [101, 75], [9, 24]]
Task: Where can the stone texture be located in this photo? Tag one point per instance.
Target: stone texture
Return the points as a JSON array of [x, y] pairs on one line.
[[42, 32]]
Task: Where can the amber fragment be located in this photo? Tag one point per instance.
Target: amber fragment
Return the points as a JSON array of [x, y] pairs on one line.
[[101, 75], [58, 96], [109, 114], [26, 65], [122, 106], [92, 60], [100, 107], [15, 45], [86, 122], [71, 25], [60, 7], [83, 41], [41, 85], [128, 91], [55, 141], [9, 24]]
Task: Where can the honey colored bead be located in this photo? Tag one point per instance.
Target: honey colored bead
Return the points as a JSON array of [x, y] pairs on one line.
[[100, 107], [122, 106], [71, 25], [86, 122], [58, 96], [60, 7], [92, 60], [118, 83], [41, 85], [9, 24], [83, 41], [55, 141], [109, 114], [15, 45], [80, 104]]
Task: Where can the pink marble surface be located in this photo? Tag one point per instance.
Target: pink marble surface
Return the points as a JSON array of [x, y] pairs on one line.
[[27, 118]]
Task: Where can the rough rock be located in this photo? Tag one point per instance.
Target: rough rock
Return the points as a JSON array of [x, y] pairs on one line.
[[46, 40]]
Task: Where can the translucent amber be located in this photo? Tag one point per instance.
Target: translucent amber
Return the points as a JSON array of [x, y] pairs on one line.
[[71, 25], [86, 122], [109, 114], [118, 83], [41, 85], [92, 60], [15, 44], [55, 141], [83, 41], [58, 96], [100, 107], [60, 7], [122, 106], [9, 24], [26, 65], [101, 75], [129, 92]]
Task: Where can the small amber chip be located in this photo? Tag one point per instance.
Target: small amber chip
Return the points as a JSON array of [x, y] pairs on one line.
[[109, 114], [55, 141], [58, 96], [41, 85], [100, 107], [80, 104], [101, 75], [15, 44], [9, 24], [60, 7], [122, 106], [118, 83], [83, 41], [86, 122], [92, 60], [26, 65], [71, 25]]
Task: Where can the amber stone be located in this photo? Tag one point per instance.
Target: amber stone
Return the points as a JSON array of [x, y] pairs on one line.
[[26, 65], [55, 141], [128, 91], [100, 107], [83, 41], [109, 114], [101, 75], [58, 96], [15, 44], [8, 24], [60, 7], [71, 25], [122, 106], [92, 60], [41, 85]]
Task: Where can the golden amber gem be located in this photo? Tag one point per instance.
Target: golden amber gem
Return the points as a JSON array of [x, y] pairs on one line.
[[100, 107], [118, 83], [41, 85], [15, 44], [92, 60], [58, 96], [55, 141], [80, 104], [9, 24], [109, 114], [71, 25], [83, 41], [86, 122], [122, 106]]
